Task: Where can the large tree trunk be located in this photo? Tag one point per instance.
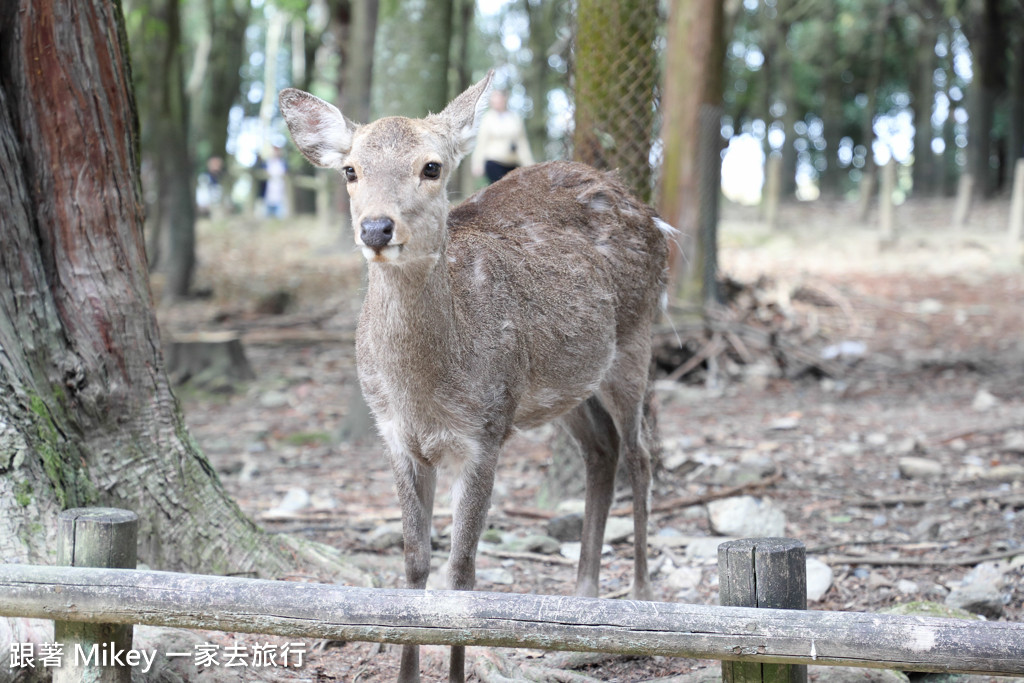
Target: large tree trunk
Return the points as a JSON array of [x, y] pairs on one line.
[[615, 82], [694, 64], [86, 413], [986, 33], [411, 56]]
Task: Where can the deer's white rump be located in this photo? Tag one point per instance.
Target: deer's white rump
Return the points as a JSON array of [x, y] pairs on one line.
[[532, 300]]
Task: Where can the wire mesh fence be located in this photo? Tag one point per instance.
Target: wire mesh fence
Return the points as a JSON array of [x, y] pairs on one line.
[[617, 79]]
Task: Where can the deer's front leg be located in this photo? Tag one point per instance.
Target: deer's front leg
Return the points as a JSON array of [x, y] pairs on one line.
[[415, 484], [471, 498]]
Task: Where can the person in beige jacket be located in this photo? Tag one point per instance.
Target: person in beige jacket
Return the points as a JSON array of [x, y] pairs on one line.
[[501, 143]]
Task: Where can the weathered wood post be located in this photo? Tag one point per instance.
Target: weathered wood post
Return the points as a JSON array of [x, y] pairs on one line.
[[1017, 205], [767, 573], [964, 194], [772, 192], [94, 537], [886, 208]]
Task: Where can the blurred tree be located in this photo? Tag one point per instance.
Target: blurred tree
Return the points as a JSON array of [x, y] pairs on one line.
[[86, 412], [357, 58], [1015, 142], [615, 88], [692, 99], [411, 57], [215, 81], [876, 72], [547, 20], [157, 68], [925, 18], [986, 29]]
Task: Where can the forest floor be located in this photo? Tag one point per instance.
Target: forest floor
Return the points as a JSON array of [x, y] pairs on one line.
[[931, 334]]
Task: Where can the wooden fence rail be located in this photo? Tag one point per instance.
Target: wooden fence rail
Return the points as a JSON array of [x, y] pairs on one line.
[[122, 596]]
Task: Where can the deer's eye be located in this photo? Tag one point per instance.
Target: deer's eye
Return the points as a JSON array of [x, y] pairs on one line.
[[350, 174], [432, 170]]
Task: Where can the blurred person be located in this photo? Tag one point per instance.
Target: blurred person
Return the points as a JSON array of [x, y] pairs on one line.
[[501, 143], [274, 194], [209, 191]]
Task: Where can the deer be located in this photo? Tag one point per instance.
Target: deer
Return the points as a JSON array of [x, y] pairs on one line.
[[531, 301]]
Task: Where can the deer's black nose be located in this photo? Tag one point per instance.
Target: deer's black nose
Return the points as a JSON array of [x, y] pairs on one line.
[[377, 232]]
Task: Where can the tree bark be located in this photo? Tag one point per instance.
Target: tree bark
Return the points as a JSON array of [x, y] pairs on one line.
[[694, 65], [988, 48], [86, 411], [411, 56], [615, 82]]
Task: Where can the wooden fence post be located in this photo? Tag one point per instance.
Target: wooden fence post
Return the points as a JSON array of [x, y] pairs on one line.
[[94, 537], [964, 194], [771, 194], [886, 209], [768, 573], [1017, 205]]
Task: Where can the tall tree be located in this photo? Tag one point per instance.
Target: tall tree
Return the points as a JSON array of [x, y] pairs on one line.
[[86, 411], [546, 19], [876, 75], [694, 65], [158, 69], [615, 82], [926, 24], [987, 32], [215, 80], [411, 57]]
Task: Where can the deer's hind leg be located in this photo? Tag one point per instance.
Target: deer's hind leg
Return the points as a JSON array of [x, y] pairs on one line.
[[594, 430], [623, 393]]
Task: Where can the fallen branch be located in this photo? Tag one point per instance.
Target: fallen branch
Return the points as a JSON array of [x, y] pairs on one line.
[[674, 504], [898, 561], [709, 350], [530, 557]]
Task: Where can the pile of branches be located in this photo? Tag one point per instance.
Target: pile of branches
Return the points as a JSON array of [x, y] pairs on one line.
[[766, 327]]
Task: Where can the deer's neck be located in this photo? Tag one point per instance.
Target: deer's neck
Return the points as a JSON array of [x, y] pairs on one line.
[[410, 308]]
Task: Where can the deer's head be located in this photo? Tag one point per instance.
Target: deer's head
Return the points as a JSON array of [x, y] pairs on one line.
[[396, 169]]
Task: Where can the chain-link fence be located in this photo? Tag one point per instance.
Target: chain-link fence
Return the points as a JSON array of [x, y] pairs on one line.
[[616, 89]]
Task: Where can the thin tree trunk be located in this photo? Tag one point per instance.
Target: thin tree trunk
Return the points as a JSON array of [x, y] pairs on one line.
[[923, 96], [831, 179], [867, 185], [220, 87], [86, 412], [160, 80], [544, 21], [694, 65]]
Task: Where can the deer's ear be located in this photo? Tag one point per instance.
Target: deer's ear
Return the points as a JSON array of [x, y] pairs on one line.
[[462, 115], [318, 128]]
